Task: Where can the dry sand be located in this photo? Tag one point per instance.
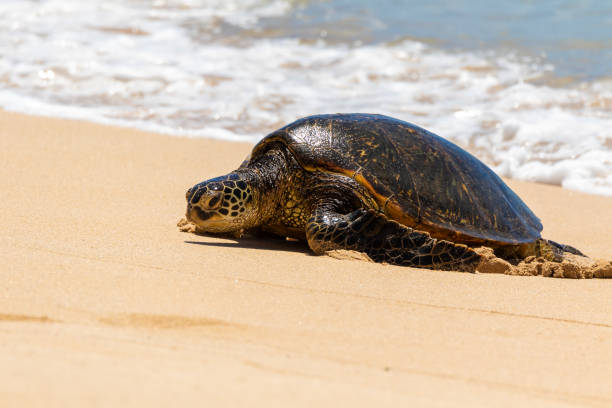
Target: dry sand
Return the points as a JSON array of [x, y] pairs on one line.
[[104, 302]]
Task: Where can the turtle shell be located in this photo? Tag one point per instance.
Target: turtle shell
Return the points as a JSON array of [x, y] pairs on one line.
[[417, 178]]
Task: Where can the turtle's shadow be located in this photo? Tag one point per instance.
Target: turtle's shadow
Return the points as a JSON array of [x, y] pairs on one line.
[[259, 243]]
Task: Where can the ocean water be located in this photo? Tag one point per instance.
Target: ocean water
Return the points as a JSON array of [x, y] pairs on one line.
[[524, 85]]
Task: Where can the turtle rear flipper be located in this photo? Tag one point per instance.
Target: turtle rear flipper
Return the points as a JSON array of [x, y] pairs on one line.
[[565, 248], [542, 248], [385, 240]]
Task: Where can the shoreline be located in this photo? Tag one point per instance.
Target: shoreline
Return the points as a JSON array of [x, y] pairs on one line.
[[107, 302]]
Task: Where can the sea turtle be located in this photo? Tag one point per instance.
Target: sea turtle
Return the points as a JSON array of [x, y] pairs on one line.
[[373, 184]]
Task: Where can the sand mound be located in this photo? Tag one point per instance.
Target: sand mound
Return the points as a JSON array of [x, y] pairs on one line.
[[573, 266], [186, 226]]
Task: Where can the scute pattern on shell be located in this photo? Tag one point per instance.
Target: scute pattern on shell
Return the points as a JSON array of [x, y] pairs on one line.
[[418, 178]]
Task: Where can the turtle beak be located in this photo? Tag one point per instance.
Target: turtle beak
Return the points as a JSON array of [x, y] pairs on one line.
[[198, 216], [201, 204], [195, 214]]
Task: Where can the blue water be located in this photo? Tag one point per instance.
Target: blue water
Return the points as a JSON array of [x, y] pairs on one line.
[[574, 36]]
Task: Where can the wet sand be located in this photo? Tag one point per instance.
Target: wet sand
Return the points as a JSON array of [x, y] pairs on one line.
[[105, 302]]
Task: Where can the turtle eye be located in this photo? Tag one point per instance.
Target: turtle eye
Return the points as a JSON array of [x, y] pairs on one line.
[[214, 201]]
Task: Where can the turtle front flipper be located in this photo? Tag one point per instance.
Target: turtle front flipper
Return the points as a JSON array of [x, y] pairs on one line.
[[385, 240]]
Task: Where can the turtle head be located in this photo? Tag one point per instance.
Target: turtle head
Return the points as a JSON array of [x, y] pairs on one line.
[[221, 205]]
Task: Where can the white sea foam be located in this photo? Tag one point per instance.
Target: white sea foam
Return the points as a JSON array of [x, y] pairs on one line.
[[203, 69]]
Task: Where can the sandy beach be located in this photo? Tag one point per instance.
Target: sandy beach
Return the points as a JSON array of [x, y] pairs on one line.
[[104, 302]]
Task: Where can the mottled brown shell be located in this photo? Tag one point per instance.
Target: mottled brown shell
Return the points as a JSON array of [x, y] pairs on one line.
[[417, 177]]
